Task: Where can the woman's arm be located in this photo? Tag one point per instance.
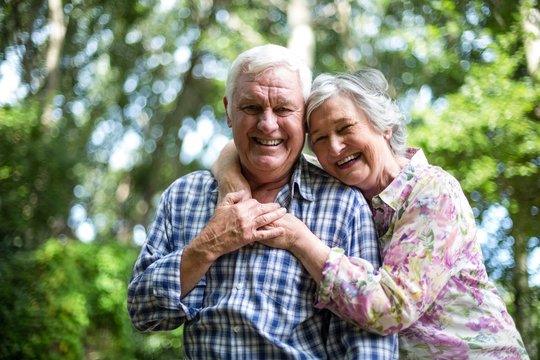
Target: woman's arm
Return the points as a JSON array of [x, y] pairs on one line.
[[228, 173], [429, 236], [302, 243]]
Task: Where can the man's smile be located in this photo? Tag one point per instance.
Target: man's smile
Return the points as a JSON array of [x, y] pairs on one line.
[[269, 142]]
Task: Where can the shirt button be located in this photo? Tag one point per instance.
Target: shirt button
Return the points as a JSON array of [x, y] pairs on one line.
[[236, 329], [239, 286]]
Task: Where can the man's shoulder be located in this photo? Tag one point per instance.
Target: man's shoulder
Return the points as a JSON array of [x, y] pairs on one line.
[[314, 172], [200, 181], [320, 182]]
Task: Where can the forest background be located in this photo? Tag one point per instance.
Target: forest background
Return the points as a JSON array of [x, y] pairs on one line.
[[104, 103]]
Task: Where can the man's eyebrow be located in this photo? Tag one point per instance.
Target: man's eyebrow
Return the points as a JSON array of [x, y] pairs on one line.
[[247, 98], [284, 101]]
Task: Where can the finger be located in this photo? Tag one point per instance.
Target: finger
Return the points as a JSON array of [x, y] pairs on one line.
[[232, 198], [259, 209], [269, 233], [253, 208], [246, 195], [270, 217]]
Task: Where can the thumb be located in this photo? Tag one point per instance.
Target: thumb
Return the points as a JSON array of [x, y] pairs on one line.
[[232, 198]]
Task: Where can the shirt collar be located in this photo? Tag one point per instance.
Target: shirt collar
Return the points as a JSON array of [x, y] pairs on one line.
[[300, 181], [395, 193]]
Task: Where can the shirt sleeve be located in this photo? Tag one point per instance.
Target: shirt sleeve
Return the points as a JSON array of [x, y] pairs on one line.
[[348, 341], [154, 288], [429, 235]]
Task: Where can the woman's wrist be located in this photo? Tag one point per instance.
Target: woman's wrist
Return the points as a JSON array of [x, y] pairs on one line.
[[228, 172], [312, 252]]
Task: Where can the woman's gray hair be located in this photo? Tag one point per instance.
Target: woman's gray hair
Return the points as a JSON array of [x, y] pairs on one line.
[[260, 58], [368, 89]]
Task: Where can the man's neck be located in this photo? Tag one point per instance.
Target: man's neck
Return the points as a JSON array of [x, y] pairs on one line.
[[267, 191]]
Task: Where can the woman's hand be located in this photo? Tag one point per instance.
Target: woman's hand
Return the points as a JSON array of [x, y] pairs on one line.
[[228, 173], [301, 242], [292, 230], [237, 223]]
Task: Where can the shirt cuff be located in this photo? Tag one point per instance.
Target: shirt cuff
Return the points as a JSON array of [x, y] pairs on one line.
[[329, 274], [166, 282]]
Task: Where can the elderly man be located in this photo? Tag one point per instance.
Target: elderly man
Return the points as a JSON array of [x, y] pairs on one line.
[[254, 302]]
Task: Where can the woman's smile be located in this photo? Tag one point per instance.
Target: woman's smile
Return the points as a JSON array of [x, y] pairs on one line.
[[348, 161]]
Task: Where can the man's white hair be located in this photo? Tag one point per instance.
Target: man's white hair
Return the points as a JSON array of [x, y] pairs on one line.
[[261, 58]]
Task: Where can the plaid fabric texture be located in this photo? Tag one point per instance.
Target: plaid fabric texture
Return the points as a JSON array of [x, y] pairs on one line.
[[257, 302]]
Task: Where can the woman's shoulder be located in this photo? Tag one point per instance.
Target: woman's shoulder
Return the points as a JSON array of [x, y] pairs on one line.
[[430, 177]]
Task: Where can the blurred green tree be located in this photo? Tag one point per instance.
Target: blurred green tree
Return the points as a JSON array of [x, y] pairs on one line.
[[488, 135], [36, 169], [67, 300], [117, 99]]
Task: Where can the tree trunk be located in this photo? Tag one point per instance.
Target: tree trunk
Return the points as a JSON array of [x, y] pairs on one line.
[[531, 29], [520, 280], [57, 33], [302, 39]]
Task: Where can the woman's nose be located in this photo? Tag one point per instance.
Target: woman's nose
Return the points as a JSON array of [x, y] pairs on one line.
[[335, 145]]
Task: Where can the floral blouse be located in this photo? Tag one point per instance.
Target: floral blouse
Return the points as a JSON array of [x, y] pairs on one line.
[[432, 287]]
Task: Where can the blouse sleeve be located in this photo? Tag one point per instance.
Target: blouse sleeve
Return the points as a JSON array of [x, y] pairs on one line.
[[430, 232]]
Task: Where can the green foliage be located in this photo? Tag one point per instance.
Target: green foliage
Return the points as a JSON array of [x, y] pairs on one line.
[[67, 300], [36, 175], [488, 136], [154, 71]]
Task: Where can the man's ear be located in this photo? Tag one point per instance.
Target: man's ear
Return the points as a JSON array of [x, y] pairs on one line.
[[225, 103]]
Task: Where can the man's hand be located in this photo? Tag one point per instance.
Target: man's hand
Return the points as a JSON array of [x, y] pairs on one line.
[[237, 223]]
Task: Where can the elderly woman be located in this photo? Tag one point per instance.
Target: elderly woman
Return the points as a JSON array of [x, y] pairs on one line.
[[432, 288]]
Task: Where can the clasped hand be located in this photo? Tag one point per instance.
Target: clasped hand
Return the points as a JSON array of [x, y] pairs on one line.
[[237, 223]]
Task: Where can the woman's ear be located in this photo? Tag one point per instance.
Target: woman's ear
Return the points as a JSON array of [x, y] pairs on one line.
[[387, 134]]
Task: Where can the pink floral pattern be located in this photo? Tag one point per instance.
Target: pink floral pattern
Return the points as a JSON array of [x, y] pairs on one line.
[[432, 287]]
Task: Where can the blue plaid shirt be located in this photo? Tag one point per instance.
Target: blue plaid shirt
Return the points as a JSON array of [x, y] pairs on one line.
[[257, 302]]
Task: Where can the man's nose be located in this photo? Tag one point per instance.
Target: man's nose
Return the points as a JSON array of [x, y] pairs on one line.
[[268, 121]]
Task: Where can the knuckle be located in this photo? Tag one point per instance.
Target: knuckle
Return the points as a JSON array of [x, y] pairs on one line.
[[263, 219]]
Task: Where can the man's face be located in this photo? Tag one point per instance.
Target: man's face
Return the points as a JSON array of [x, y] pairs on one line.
[[266, 118]]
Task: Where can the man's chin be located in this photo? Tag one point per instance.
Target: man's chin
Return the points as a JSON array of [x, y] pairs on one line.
[[268, 162], [270, 166]]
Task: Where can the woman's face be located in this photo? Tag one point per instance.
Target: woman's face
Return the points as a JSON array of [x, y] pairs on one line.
[[348, 146]]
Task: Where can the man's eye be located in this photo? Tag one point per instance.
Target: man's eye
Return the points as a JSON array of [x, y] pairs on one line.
[[283, 111], [251, 109]]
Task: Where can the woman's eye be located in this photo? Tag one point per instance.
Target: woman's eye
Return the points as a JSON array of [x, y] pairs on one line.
[[318, 139]]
